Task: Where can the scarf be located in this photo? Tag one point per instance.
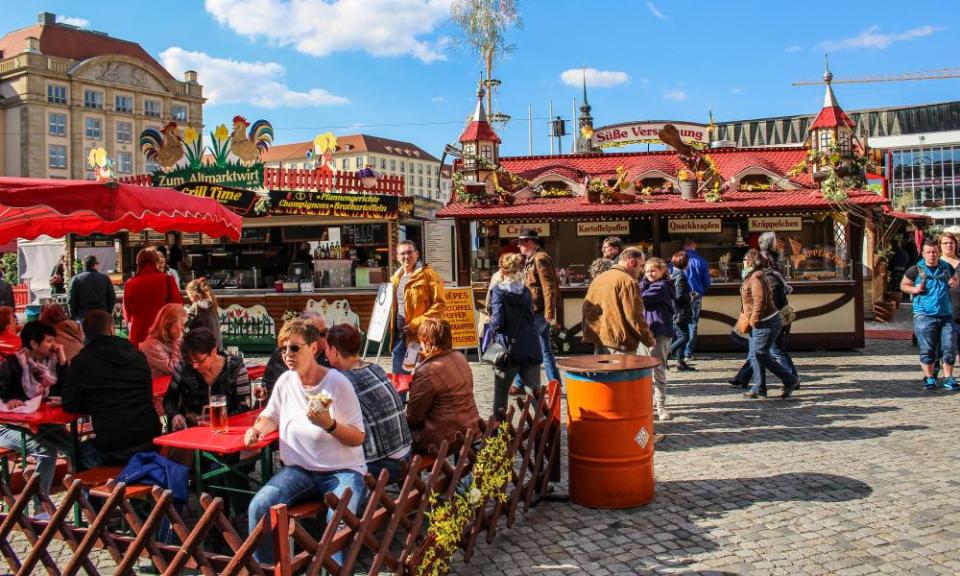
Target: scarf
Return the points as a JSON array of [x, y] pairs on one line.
[[38, 375]]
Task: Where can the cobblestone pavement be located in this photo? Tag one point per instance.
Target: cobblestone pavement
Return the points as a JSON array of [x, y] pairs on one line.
[[855, 475]]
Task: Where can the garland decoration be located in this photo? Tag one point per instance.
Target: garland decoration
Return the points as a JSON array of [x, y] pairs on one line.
[[449, 520]]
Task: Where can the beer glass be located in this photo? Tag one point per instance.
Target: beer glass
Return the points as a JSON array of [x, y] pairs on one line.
[[216, 413], [259, 393]]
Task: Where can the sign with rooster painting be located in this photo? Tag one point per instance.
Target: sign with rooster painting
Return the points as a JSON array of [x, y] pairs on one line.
[[234, 155]]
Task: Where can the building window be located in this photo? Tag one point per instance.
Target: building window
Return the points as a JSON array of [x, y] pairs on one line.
[[179, 112], [93, 99], [383, 163], [58, 124], [125, 162], [412, 168], [401, 166], [124, 132], [151, 166], [429, 182], [91, 175], [345, 164], [825, 138], [152, 108], [123, 104], [420, 168], [358, 162], [436, 170], [92, 128], [420, 181], [486, 152], [56, 94], [57, 156], [393, 165]]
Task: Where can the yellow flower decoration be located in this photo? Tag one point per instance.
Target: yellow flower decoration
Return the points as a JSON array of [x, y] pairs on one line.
[[221, 132], [586, 132], [97, 157], [324, 142], [190, 135]]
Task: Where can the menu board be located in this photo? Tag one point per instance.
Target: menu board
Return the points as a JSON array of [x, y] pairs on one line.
[[439, 248], [459, 312]]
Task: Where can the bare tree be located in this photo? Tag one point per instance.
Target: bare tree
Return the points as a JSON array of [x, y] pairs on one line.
[[483, 25]]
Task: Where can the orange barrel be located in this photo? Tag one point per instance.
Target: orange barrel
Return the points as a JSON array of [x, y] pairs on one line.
[[610, 429]]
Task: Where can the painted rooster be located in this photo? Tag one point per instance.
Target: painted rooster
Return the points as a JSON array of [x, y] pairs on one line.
[[163, 147], [249, 147]]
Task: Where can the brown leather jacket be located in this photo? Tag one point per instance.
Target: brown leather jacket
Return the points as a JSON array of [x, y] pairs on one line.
[[756, 297], [441, 403], [540, 277], [613, 312]]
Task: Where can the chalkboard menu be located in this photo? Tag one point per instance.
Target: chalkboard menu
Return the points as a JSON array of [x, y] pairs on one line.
[[261, 235], [303, 233], [364, 234]]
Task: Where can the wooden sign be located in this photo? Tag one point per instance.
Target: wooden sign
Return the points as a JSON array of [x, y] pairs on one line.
[[775, 223], [246, 203], [616, 227], [693, 225], [366, 206], [513, 230], [459, 312]]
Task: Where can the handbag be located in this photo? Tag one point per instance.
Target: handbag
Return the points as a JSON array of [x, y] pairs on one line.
[[788, 314], [497, 354]]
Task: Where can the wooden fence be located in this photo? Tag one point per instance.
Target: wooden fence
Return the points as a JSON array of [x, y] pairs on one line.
[[388, 534]]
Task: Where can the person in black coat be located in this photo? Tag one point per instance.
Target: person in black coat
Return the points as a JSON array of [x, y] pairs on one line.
[[512, 322], [110, 380], [91, 290], [6, 291], [684, 312]]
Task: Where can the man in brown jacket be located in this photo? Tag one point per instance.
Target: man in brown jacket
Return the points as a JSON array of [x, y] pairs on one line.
[[540, 277], [441, 405], [613, 309]]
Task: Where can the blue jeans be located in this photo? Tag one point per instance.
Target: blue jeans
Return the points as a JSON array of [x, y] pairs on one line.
[[542, 327], [762, 339], [399, 346], [680, 338], [935, 337], [52, 439], [779, 351], [695, 305], [391, 465], [292, 485]]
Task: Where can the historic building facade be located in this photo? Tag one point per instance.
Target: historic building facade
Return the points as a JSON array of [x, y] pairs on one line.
[[65, 91]]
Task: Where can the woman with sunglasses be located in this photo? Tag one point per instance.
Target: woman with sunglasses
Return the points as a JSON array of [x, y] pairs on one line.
[[321, 432]]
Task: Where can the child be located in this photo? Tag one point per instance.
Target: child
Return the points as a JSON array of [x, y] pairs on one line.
[[659, 303], [203, 309]]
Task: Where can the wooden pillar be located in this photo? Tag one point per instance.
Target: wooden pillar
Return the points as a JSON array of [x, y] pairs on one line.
[[855, 232], [69, 251], [464, 241], [657, 251]]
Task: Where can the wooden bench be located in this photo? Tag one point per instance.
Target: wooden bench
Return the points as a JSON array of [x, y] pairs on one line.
[[95, 481]]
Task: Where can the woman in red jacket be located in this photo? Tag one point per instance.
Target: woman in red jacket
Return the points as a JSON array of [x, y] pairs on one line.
[[145, 294]]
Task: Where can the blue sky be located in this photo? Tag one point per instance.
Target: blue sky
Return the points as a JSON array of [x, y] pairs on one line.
[[386, 67]]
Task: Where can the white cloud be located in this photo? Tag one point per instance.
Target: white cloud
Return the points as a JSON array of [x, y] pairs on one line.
[[656, 11], [675, 94], [259, 83], [320, 28], [437, 99], [78, 22], [736, 90], [872, 38], [794, 48], [595, 78]]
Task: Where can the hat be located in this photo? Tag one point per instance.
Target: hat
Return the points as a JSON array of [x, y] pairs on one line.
[[528, 234], [767, 240]]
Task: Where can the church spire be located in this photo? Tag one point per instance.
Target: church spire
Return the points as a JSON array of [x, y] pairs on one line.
[[584, 142]]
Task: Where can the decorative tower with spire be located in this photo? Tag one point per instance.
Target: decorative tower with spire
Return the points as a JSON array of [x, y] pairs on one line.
[[481, 144], [832, 127], [584, 123]]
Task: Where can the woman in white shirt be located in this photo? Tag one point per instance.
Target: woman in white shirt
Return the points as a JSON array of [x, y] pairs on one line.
[[321, 431]]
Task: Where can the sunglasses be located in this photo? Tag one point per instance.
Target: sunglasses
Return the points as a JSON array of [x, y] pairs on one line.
[[291, 348]]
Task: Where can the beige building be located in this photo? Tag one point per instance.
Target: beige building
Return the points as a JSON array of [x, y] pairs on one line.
[[65, 91], [390, 157]]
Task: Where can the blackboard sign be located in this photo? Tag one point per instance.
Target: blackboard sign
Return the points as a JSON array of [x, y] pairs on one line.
[[303, 233], [255, 235]]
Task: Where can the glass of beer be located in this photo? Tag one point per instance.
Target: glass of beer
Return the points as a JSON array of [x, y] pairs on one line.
[[259, 393], [217, 413]]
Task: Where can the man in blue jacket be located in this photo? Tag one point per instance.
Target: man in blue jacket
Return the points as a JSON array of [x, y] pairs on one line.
[[929, 282], [698, 277]]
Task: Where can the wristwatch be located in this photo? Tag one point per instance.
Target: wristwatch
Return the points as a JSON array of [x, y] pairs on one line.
[[331, 428]]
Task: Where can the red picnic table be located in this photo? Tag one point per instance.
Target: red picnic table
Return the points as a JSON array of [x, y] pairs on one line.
[[213, 446], [47, 414]]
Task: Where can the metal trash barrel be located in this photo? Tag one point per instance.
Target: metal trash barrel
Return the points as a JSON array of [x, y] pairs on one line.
[[610, 429]]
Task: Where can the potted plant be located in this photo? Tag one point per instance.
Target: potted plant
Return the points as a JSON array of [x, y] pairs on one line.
[[688, 184], [595, 190]]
